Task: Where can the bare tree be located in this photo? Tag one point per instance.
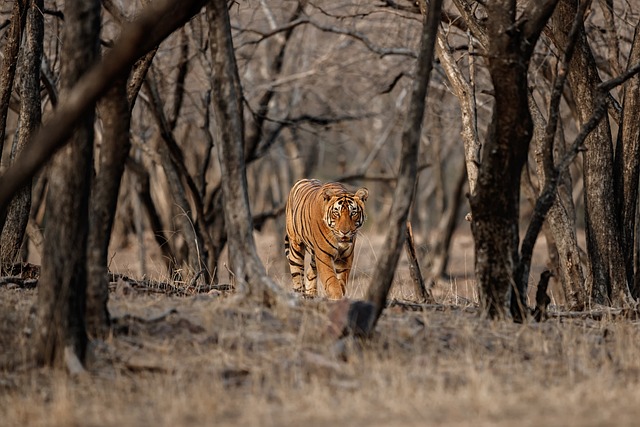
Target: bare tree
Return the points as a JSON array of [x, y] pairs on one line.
[[626, 167], [115, 116], [227, 98], [139, 37], [405, 184], [11, 49], [17, 215], [604, 239], [495, 204], [60, 334]]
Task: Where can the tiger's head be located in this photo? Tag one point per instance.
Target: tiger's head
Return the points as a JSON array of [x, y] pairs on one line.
[[344, 212]]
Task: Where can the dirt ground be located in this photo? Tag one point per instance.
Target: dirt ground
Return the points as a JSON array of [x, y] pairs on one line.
[[215, 359]]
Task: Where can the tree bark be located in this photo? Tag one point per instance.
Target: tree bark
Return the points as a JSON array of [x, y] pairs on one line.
[[406, 181], [246, 267], [464, 92], [495, 205], [561, 218], [115, 113], [626, 167], [603, 232], [60, 328], [115, 116], [10, 60], [30, 116]]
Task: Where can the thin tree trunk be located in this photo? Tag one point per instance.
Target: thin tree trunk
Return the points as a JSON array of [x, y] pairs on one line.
[[603, 231], [406, 181], [627, 167], [60, 331], [30, 116], [247, 268], [561, 219], [10, 60], [446, 227], [463, 91], [114, 112]]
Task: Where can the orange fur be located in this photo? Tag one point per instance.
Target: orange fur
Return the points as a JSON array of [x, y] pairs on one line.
[[322, 219]]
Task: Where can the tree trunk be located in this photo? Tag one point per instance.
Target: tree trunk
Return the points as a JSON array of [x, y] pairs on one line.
[[114, 112], [227, 99], [626, 168], [446, 227], [604, 237], [561, 219], [30, 116], [10, 60], [495, 204], [406, 181], [60, 328]]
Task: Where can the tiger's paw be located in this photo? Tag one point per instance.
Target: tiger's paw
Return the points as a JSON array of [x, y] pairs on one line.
[[304, 294], [335, 292]]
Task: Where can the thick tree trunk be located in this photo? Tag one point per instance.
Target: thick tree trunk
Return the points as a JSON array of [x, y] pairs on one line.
[[495, 204], [406, 181], [603, 232], [60, 328], [30, 116], [227, 99]]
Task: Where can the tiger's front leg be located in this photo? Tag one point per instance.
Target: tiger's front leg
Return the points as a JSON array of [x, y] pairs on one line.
[[295, 255], [333, 286], [312, 278], [343, 269]]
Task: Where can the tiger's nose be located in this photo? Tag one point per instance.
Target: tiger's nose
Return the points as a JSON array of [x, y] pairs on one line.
[[345, 236]]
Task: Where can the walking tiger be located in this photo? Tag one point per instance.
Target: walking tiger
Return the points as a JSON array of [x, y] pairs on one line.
[[322, 219]]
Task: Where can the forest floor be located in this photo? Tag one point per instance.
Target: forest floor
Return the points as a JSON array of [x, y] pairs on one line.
[[214, 359]]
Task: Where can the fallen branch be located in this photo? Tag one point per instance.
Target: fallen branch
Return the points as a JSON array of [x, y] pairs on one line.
[[19, 282]]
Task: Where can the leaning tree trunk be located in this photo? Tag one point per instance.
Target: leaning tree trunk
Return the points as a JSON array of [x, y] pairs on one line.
[[603, 232], [60, 329], [405, 184], [227, 93], [30, 115]]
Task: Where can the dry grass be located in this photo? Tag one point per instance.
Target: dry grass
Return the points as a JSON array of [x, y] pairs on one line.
[[216, 360]]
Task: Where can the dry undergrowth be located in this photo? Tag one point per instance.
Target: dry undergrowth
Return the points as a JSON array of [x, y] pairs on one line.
[[213, 359]]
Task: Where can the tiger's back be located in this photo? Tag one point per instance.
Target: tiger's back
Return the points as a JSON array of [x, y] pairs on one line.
[[322, 219]]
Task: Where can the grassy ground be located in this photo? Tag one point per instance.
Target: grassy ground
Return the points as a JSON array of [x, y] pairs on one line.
[[214, 359]]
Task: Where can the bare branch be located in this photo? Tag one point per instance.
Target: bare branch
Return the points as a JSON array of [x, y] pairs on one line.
[[157, 21]]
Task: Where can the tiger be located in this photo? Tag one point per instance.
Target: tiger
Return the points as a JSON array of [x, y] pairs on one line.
[[322, 219]]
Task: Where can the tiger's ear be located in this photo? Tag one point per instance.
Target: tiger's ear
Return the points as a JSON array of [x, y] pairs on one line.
[[362, 194], [328, 193]]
